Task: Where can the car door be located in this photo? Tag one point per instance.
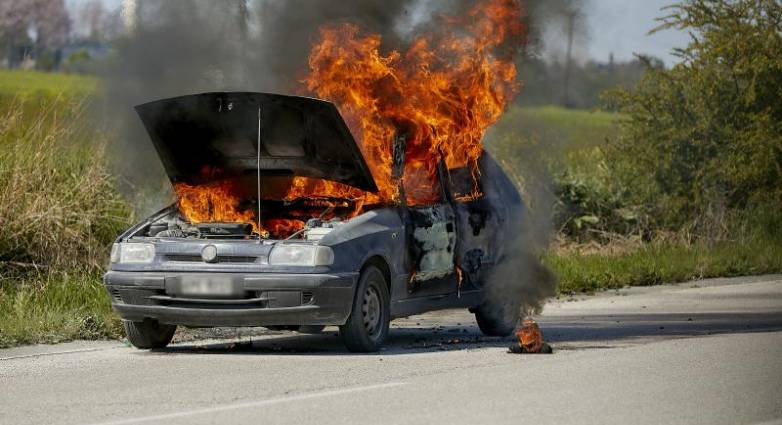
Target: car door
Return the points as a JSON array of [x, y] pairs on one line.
[[433, 243], [431, 236]]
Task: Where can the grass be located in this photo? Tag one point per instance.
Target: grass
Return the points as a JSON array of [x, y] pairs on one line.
[[16, 83], [59, 211], [559, 129], [659, 263], [59, 206], [45, 307]]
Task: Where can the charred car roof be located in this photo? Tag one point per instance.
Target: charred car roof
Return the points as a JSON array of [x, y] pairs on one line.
[[298, 137]]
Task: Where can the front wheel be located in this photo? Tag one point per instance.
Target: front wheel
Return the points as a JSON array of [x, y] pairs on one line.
[[367, 326], [149, 333], [497, 317]]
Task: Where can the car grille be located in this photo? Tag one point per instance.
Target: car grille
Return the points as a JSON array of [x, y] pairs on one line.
[[220, 259]]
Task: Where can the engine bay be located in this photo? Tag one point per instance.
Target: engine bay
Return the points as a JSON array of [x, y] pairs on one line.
[[301, 219]]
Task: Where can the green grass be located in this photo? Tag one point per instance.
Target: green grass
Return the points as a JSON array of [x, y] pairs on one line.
[[558, 129], [59, 206], [60, 211], [16, 83], [656, 264], [43, 307]]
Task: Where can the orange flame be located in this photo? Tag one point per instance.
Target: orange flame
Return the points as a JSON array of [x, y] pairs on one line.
[[212, 202], [216, 202], [530, 337], [280, 228], [441, 95]]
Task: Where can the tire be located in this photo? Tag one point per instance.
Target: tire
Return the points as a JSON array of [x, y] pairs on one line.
[[310, 329], [497, 318], [148, 334], [367, 326]]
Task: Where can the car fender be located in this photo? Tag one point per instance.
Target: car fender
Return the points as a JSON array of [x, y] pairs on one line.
[[376, 233]]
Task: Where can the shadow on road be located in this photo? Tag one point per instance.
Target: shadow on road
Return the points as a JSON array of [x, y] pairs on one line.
[[563, 332]]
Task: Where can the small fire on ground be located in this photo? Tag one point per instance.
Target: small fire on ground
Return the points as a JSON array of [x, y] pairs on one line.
[[530, 339]]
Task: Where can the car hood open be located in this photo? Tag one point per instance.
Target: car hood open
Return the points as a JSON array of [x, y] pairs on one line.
[[298, 137]]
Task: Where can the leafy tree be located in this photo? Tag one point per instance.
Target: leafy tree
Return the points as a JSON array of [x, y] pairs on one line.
[[705, 137]]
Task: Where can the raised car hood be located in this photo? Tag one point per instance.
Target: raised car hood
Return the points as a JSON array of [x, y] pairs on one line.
[[299, 136]]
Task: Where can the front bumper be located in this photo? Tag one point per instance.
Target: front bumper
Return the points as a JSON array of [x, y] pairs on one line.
[[266, 298]]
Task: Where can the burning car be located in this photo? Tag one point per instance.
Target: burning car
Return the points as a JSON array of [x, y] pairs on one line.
[[244, 245]]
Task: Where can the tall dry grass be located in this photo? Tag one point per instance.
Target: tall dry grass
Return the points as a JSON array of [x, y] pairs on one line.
[[59, 209]]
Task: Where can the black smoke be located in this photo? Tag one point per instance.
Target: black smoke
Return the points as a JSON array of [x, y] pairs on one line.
[[193, 46]]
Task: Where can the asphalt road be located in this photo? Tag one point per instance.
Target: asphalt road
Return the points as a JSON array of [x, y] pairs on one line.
[[707, 352]]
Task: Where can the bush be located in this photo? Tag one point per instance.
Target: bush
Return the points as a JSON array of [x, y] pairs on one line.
[[705, 138]]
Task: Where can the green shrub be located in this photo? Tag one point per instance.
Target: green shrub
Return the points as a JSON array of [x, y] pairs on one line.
[[705, 138]]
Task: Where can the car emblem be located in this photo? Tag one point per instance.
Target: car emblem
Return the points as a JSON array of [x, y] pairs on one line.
[[209, 254]]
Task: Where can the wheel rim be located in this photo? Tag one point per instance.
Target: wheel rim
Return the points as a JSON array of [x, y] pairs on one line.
[[372, 312]]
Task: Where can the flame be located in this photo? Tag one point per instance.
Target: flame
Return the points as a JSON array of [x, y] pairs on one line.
[[440, 94], [212, 202], [530, 337], [280, 228], [306, 187]]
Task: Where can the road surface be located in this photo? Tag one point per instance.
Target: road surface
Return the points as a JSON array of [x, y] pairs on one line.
[[707, 352]]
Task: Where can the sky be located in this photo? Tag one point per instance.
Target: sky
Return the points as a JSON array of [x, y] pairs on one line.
[[621, 26], [618, 27]]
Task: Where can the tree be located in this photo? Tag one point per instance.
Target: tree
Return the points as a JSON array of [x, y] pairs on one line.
[[51, 23], [15, 18], [47, 19], [706, 135]]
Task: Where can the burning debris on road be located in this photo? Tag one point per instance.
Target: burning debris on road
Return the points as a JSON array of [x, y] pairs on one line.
[[530, 339]]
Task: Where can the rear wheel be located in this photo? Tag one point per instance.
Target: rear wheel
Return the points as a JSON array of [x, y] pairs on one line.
[[498, 317], [149, 333], [367, 326]]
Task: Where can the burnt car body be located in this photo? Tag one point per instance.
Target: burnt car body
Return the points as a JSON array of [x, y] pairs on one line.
[[358, 273]]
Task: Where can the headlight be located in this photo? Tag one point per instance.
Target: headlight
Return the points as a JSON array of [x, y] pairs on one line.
[[133, 253], [301, 255], [115, 253]]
